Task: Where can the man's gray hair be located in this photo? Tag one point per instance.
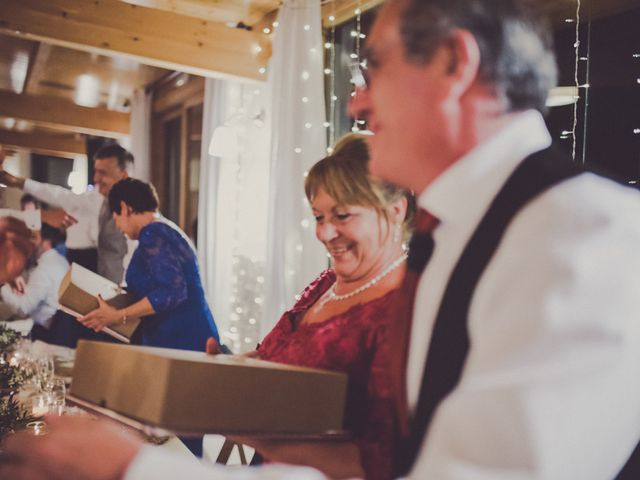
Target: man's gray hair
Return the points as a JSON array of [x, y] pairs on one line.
[[515, 43]]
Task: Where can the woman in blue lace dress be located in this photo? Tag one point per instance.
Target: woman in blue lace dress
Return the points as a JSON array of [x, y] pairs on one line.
[[163, 275]]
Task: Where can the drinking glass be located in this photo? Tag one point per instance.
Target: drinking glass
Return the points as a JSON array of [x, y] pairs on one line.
[[56, 391], [37, 428], [44, 371], [39, 405]]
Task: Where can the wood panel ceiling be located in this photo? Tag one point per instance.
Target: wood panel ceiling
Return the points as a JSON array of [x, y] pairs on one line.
[[47, 46]]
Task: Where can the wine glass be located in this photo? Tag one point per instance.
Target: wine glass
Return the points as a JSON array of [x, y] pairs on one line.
[[44, 371], [56, 390]]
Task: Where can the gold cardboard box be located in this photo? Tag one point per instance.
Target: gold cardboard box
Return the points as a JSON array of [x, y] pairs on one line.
[[186, 391], [77, 297]]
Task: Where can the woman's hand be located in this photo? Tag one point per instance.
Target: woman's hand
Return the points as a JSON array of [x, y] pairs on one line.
[[213, 347], [335, 459], [101, 317]]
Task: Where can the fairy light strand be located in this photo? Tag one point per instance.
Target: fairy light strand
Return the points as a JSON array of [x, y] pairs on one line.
[[358, 12], [587, 88], [332, 80], [576, 46]]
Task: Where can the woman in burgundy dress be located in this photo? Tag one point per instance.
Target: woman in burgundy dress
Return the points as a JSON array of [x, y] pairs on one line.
[[342, 318]]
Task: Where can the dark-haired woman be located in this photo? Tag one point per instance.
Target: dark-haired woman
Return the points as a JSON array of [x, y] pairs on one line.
[[163, 274]]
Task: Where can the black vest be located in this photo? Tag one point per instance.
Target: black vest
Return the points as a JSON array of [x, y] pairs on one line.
[[449, 344]]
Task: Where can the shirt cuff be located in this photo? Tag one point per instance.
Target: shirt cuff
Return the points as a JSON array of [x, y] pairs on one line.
[[152, 463]]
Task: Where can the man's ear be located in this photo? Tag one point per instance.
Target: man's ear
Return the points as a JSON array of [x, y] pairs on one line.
[[124, 209], [463, 63]]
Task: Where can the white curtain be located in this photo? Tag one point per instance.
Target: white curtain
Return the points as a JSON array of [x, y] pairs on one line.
[[232, 209], [141, 134], [298, 141]]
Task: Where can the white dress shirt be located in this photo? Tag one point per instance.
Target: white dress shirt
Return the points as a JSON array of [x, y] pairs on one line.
[[31, 218], [40, 298], [85, 207], [551, 387]]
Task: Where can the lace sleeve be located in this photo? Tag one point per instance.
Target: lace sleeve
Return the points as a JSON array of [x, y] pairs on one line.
[[165, 258]]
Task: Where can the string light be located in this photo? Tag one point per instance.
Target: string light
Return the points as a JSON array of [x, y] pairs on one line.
[[356, 56], [331, 46], [576, 46]]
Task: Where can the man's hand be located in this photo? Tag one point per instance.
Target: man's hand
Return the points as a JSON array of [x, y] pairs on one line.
[[11, 180], [57, 218], [74, 447], [18, 285]]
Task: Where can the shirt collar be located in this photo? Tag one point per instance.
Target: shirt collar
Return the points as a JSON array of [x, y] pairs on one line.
[[464, 191]]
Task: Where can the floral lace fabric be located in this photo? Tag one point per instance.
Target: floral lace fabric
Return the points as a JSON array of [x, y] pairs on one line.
[[353, 342], [164, 268]]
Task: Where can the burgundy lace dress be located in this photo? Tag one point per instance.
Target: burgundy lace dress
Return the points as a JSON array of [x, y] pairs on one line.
[[353, 342]]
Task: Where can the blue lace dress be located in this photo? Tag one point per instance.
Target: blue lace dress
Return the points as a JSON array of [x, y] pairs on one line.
[[164, 268]]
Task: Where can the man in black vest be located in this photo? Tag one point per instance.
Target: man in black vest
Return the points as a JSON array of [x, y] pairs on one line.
[[526, 313], [524, 354]]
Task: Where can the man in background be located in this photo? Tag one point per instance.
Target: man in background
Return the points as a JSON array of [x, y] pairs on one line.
[[16, 246], [37, 298], [91, 208]]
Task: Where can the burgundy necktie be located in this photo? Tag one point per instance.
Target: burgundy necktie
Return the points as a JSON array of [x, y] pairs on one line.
[[420, 250]]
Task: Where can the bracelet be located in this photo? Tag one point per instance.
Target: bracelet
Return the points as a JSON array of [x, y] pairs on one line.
[[124, 317]]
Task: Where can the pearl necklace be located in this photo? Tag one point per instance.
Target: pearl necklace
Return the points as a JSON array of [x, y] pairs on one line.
[[332, 296]]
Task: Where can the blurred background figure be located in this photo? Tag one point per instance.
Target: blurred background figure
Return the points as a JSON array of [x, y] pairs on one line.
[[16, 247], [37, 297], [29, 202]]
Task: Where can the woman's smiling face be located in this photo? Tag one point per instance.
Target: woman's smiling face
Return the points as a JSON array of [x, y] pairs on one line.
[[356, 237]]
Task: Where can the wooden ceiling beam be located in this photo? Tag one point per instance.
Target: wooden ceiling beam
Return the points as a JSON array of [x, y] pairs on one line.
[[344, 10], [67, 146], [248, 12], [61, 114], [153, 37], [37, 65]]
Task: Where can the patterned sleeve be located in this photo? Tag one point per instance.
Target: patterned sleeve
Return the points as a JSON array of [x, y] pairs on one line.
[[164, 259]]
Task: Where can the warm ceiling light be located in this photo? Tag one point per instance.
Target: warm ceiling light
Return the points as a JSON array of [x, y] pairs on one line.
[[87, 91], [559, 96], [18, 72]]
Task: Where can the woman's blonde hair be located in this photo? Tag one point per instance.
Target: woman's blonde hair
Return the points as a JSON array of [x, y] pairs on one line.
[[345, 176]]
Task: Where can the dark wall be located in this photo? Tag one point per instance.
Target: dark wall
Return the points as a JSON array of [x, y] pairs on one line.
[[609, 110]]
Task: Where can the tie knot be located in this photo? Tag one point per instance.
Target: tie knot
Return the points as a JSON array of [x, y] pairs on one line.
[[424, 222]]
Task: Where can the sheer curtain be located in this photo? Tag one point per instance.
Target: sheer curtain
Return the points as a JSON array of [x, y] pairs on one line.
[[232, 208], [141, 134], [298, 140]]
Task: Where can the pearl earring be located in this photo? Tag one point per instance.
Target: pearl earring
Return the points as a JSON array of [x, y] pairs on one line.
[[396, 233]]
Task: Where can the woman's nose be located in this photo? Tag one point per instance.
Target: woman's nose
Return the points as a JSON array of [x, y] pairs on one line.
[[326, 231]]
